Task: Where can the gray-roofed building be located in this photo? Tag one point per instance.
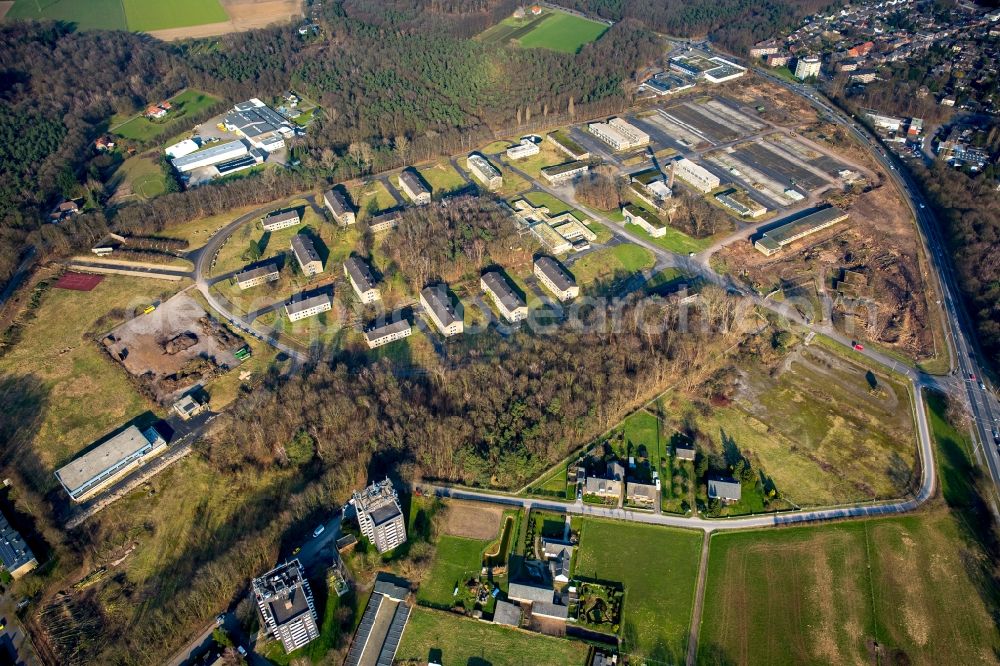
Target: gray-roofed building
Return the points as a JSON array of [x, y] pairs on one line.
[[257, 276], [110, 460], [556, 278], [379, 515], [684, 452], [384, 221], [286, 605], [511, 306], [726, 490], [305, 253], [382, 333], [530, 593], [281, 220], [381, 628], [308, 307], [550, 610], [263, 127], [414, 186], [339, 206], [507, 613], [559, 555], [777, 238], [438, 306], [15, 554], [641, 494], [603, 488], [188, 407], [362, 279]]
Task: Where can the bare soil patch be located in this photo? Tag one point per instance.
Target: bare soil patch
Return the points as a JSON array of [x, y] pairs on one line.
[[472, 520], [173, 348], [243, 15], [780, 106]]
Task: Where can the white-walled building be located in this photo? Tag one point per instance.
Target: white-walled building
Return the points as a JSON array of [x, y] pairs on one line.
[[339, 206], [526, 148], [695, 175], [437, 304], [807, 67], [217, 154], [362, 280], [308, 307], [281, 220], [511, 306], [380, 516], [556, 278], [619, 134], [257, 276]]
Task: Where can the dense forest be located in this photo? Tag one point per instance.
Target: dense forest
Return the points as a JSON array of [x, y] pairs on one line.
[[732, 24], [395, 82], [969, 211]]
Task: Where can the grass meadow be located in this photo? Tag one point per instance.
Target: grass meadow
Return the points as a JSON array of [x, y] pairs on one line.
[[555, 30], [85, 14], [659, 569], [456, 560], [188, 102], [612, 263]]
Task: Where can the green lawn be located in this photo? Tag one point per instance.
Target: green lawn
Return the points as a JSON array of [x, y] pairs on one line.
[[144, 176], [453, 640], [443, 178], [563, 32], [659, 569], [186, 103], [144, 16], [612, 263], [85, 14]]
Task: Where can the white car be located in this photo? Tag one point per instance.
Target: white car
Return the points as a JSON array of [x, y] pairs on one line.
[[319, 530]]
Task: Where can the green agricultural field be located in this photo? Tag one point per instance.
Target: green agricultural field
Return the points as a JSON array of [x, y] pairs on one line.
[[186, 103], [144, 16], [452, 639], [659, 569], [85, 14], [456, 559], [612, 263], [555, 30], [807, 595]]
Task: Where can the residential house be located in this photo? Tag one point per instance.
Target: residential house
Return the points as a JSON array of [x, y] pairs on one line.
[[414, 186], [438, 307], [281, 220], [254, 277], [725, 490], [559, 555], [382, 333], [362, 280], [556, 278], [339, 206], [306, 255], [484, 171], [308, 307], [510, 304], [641, 494], [684, 452]]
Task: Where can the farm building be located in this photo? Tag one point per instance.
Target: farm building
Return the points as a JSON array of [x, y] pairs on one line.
[[109, 461]]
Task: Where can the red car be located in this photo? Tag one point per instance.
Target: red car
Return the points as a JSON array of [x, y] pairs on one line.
[[859, 346]]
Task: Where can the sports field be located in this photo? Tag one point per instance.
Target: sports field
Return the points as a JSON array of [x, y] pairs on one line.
[[555, 30], [659, 568], [186, 103], [136, 15]]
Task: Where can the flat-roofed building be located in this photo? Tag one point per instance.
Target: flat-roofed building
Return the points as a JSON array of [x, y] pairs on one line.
[[15, 554], [217, 154], [437, 304], [362, 279], [619, 134], [308, 307], [384, 332], [807, 67], [775, 239], [414, 186], [339, 206], [550, 238], [526, 148], [259, 124], [645, 220], [695, 175], [740, 203], [305, 253], [484, 171], [187, 407], [255, 277], [109, 461], [571, 148], [565, 172], [286, 607], [511, 306], [723, 71], [380, 516], [281, 220], [556, 278]]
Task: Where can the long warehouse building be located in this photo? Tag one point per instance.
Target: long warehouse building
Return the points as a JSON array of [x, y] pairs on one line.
[[774, 240], [211, 156], [108, 461]]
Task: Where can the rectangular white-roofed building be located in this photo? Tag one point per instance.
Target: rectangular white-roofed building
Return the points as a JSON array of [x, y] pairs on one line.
[[217, 154], [695, 175], [619, 134], [484, 171], [526, 148], [556, 278], [108, 461], [360, 275], [510, 305], [308, 307], [437, 304]]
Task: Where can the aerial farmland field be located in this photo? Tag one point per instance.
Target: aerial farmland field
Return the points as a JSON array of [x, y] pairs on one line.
[[136, 15], [144, 16]]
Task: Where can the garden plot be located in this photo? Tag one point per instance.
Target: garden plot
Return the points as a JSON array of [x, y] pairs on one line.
[[173, 348]]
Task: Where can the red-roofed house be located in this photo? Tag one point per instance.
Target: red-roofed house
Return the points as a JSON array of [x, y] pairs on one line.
[[155, 112]]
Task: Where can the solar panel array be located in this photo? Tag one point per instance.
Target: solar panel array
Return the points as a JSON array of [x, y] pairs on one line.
[[364, 630], [394, 635]]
